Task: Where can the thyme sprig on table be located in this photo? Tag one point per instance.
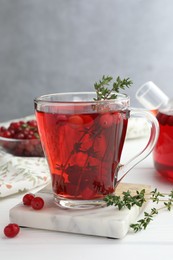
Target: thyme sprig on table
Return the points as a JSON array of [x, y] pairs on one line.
[[127, 201], [102, 90]]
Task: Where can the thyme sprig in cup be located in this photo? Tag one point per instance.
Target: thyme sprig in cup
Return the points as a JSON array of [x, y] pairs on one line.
[[102, 90], [83, 134]]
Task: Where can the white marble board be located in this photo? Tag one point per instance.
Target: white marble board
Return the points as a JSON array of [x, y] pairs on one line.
[[105, 222]]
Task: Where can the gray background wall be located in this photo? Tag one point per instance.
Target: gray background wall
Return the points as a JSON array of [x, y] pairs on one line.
[[60, 45]]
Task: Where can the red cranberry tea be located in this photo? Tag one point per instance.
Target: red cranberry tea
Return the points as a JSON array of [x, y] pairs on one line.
[[83, 151], [163, 152]]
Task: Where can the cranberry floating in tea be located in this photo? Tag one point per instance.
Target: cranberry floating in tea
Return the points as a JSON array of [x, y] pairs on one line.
[[82, 135], [155, 99]]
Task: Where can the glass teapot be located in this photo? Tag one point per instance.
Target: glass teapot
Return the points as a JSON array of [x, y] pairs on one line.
[[154, 99]]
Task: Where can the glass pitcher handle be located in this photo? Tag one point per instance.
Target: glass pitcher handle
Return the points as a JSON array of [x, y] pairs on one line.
[[154, 133]]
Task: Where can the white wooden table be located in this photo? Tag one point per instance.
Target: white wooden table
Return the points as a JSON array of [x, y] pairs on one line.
[[156, 241]]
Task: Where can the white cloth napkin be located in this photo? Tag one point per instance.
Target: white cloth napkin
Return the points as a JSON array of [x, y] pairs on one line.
[[21, 174]]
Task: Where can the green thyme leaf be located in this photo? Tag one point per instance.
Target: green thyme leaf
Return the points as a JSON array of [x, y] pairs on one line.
[[127, 201], [104, 90]]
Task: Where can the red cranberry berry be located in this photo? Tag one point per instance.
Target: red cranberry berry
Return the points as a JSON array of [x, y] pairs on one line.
[[32, 123], [88, 120], [2, 129], [11, 230], [106, 120], [37, 203], [6, 134], [20, 135], [27, 199], [14, 125], [75, 121]]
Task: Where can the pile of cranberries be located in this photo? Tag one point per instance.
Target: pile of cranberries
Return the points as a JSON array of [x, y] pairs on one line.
[[37, 203], [21, 139]]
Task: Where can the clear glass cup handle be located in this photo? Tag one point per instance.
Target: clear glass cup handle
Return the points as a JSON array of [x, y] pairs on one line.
[[154, 133]]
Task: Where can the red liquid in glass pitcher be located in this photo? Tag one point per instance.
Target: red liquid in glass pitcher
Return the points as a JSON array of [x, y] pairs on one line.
[[154, 99], [163, 151]]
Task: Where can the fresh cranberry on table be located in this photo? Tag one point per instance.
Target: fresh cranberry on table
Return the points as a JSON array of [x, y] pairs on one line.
[[27, 198], [37, 203], [11, 230]]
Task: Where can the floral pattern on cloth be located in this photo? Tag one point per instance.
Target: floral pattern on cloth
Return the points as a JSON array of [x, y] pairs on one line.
[[21, 174]]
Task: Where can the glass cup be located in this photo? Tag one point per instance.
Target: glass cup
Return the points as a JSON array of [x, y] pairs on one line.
[[83, 140]]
